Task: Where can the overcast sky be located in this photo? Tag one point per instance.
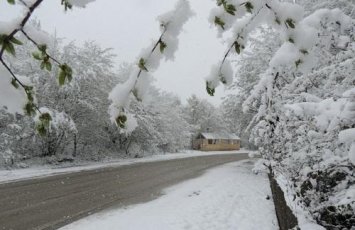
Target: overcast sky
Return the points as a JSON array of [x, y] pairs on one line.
[[130, 25]]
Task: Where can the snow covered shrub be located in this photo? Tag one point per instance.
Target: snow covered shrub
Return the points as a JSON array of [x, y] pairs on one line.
[[18, 140], [57, 134], [303, 102], [328, 193]]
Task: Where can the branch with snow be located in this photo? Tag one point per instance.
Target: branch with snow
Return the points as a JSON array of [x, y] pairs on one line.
[[12, 99], [148, 61], [299, 34]]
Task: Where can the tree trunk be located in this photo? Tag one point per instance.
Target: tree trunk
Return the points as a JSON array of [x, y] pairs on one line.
[[75, 145]]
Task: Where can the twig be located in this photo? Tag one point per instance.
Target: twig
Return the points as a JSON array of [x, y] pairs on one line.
[[238, 36], [16, 79], [36, 44], [8, 39], [22, 24]]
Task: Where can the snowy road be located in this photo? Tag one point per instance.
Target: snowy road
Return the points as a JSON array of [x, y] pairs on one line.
[[51, 202], [229, 197]]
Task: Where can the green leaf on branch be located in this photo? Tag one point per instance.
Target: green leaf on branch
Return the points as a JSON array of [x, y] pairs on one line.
[[28, 88], [65, 74], [290, 23], [37, 56], [218, 21], [8, 43], [298, 62], [303, 51], [121, 120], [48, 66], [43, 64], [291, 40], [61, 78], [41, 129], [29, 93], [209, 89], [45, 118], [2, 38], [230, 9], [141, 64], [162, 46], [14, 83], [237, 47], [42, 48], [249, 7], [44, 124], [66, 5], [12, 2], [16, 41], [9, 47], [30, 109], [222, 79], [30, 96], [221, 2]]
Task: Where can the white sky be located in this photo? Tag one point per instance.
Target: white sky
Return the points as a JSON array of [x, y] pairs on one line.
[[130, 25]]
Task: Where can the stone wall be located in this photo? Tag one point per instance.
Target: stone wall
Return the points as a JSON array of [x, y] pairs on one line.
[[285, 216]]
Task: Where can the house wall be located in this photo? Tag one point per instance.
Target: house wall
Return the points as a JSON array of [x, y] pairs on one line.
[[217, 145]]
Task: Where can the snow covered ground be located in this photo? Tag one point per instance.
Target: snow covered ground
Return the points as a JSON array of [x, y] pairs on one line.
[[226, 197], [42, 171]]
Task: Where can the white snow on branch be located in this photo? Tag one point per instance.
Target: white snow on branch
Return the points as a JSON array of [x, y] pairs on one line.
[[11, 98], [171, 24], [8, 27], [80, 3]]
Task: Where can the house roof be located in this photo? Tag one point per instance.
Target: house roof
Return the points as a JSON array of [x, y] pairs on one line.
[[225, 136]]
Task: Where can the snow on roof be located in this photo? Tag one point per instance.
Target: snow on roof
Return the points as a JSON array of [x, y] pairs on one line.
[[220, 136]]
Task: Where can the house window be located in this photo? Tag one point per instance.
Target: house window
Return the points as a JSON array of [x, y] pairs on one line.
[[210, 141]]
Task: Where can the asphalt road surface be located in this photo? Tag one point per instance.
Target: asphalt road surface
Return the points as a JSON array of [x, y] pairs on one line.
[[54, 201]]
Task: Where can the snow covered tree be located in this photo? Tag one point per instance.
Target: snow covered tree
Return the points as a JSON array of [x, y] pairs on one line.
[[249, 65], [203, 116], [299, 101]]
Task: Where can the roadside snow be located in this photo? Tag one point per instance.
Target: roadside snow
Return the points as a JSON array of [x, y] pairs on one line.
[[227, 197], [43, 171]]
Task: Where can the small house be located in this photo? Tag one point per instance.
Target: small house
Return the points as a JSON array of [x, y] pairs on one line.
[[216, 142]]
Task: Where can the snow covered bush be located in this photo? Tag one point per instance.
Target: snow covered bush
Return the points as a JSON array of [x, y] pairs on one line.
[[17, 139], [56, 129], [303, 101]]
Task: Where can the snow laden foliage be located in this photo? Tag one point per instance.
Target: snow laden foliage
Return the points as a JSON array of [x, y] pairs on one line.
[[249, 65], [22, 96], [68, 4], [79, 128], [79, 3], [148, 61], [298, 34], [302, 100], [203, 116]]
